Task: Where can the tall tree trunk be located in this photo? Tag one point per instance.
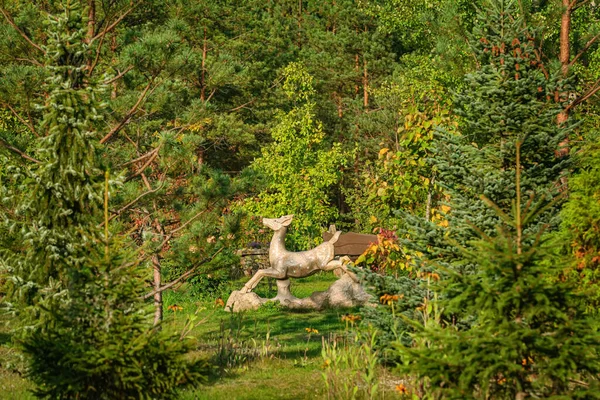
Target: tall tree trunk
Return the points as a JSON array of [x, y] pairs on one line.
[[113, 50], [158, 303], [91, 27], [365, 84], [565, 29], [357, 68], [565, 59], [202, 78]]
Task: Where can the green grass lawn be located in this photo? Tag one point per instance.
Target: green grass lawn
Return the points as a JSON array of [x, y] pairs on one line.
[[262, 354]]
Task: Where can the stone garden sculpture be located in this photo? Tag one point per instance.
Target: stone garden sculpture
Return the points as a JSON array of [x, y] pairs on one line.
[[286, 264]]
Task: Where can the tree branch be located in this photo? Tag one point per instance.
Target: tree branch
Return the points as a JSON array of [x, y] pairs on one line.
[[140, 158], [590, 92], [16, 114], [585, 48], [112, 26], [146, 164], [132, 202], [185, 275], [12, 23], [129, 114], [119, 76], [17, 151]]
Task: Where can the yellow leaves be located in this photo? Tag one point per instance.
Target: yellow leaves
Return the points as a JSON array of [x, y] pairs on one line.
[[429, 276], [200, 125], [383, 151], [351, 318], [389, 299]]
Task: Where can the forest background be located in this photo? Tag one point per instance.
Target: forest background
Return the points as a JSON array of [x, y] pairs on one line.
[[364, 114]]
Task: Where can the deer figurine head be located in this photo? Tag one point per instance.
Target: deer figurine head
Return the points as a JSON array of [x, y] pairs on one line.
[[278, 223]]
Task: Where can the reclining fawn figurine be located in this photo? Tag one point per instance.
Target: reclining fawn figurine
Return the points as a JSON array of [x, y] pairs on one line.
[[287, 264]]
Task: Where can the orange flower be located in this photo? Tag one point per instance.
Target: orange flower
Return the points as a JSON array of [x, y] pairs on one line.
[[350, 318], [388, 298], [175, 308], [219, 302], [401, 388], [311, 330]]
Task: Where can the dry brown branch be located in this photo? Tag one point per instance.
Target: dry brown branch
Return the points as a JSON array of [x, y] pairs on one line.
[[15, 27], [132, 202], [183, 276], [119, 76], [140, 158], [129, 114], [23, 121], [590, 92], [146, 164], [114, 24], [585, 48], [17, 151]]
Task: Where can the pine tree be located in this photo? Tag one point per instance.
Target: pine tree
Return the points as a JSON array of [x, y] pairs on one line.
[[78, 290]]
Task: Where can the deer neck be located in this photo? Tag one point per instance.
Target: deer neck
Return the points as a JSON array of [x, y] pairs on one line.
[[277, 246]]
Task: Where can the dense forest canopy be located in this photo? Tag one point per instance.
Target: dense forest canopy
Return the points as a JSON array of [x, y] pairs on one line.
[[152, 136]]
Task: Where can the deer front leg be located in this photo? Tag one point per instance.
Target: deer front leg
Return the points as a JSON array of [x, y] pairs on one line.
[[261, 273]]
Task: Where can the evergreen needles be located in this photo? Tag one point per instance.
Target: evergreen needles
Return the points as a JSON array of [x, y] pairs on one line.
[[77, 290]]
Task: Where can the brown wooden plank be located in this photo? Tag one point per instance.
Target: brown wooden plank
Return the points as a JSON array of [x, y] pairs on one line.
[[351, 244]]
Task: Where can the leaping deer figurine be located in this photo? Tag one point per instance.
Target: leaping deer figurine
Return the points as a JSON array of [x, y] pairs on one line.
[[287, 264]]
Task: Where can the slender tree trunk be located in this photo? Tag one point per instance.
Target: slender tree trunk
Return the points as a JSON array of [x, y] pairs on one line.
[[299, 34], [158, 303], [202, 78], [565, 59], [91, 26], [357, 68], [565, 29], [91, 20], [365, 84], [338, 103], [113, 49]]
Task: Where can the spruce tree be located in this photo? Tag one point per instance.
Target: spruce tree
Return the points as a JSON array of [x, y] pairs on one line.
[[528, 336], [77, 289], [508, 330]]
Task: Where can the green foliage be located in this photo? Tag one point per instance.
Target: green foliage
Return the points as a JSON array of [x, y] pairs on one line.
[[57, 199], [299, 164], [509, 328], [402, 178], [88, 332], [580, 229], [100, 343], [351, 367], [530, 336]]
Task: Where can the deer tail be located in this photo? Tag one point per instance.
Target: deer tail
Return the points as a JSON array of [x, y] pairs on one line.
[[335, 237]]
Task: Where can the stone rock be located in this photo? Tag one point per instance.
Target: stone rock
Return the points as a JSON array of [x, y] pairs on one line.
[[344, 292], [239, 301]]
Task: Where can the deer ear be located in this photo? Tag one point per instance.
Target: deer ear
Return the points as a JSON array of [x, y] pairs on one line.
[[288, 220]]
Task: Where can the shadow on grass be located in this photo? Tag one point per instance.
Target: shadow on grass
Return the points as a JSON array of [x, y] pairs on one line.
[[5, 338]]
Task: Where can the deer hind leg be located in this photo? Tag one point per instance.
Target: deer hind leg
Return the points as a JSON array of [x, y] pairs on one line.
[[341, 264], [261, 273]]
